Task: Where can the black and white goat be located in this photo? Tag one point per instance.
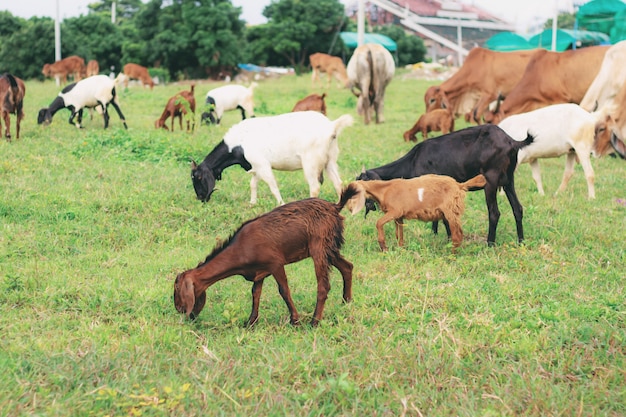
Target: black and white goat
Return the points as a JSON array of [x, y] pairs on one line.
[[226, 98], [462, 155], [92, 92], [288, 142]]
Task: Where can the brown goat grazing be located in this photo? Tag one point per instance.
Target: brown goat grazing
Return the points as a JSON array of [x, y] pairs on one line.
[[427, 198], [93, 68], [263, 246], [437, 120], [72, 65], [313, 102], [137, 72], [12, 92], [177, 106]]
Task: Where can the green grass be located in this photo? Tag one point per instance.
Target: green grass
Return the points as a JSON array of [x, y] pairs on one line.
[[95, 224]]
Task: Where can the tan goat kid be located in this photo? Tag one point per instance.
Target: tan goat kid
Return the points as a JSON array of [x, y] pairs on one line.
[[427, 198]]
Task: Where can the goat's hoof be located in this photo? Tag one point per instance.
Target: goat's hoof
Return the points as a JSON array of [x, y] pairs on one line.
[[294, 322]]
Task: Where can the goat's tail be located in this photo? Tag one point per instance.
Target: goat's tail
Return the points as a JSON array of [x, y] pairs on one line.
[[252, 86], [517, 145], [342, 122], [348, 192], [477, 182]]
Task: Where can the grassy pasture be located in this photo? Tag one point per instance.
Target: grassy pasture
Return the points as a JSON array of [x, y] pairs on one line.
[[95, 224]]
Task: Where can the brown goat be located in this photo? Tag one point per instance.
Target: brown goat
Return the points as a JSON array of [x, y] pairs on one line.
[[72, 65], [427, 198], [312, 102], [177, 106], [437, 120], [12, 92], [137, 72], [93, 68], [263, 246]]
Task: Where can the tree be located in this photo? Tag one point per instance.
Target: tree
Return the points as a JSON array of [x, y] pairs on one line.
[[27, 62], [298, 28], [93, 37], [563, 21], [124, 9], [411, 48]]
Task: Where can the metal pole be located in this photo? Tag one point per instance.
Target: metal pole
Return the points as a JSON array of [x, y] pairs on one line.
[[360, 23], [554, 19], [57, 40]]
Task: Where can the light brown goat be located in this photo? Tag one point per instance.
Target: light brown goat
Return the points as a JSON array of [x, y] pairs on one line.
[[93, 68], [313, 102], [177, 106], [427, 198], [438, 120], [137, 72]]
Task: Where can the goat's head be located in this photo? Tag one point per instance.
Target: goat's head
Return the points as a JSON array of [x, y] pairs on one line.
[[44, 116], [185, 300], [203, 181]]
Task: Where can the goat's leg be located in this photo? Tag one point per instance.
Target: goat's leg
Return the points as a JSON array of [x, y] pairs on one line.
[[7, 126], [283, 288], [265, 173], [345, 268], [381, 232], [257, 288], [332, 169], [119, 112], [312, 176], [583, 157], [323, 286], [536, 171], [518, 211], [492, 207], [253, 189], [400, 231]]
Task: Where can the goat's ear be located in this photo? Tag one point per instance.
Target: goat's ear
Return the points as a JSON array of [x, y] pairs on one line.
[[356, 203], [184, 297]]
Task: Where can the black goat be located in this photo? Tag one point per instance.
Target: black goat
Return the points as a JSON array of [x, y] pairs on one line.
[[484, 149]]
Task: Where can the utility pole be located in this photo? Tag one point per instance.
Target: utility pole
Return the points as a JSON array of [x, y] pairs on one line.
[[57, 40]]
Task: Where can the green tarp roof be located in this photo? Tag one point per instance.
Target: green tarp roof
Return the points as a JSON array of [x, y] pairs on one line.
[[566, 38], [350, 39], [606, 16], [508, 41]]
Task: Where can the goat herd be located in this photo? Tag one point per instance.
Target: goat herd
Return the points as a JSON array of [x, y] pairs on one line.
[[428, 183]]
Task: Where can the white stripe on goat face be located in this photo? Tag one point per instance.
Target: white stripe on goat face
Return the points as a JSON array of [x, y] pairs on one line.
[[420, 194]]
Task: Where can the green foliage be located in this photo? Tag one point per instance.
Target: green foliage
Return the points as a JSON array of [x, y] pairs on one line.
[[563, 21], [93, 37], [411, 48], [38, 34], [95, 224], [298, 28]]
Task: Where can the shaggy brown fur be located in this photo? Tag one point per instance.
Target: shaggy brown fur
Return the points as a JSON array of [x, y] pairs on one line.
[[264, 245]]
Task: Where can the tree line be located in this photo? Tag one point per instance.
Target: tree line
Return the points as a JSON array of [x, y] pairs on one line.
[[184, 39]]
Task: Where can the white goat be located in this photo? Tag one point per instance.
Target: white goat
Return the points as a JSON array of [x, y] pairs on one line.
[[229, 97], [558, 129], [93, 92], [302, 140]]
